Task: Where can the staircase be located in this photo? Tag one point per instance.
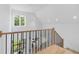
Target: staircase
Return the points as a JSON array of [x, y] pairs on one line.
[[32, 41], [72, 51]]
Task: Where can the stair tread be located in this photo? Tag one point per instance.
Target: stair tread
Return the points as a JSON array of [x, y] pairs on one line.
[[54, 49]]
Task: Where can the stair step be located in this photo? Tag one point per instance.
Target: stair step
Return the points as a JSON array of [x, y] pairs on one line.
[[54, 49]]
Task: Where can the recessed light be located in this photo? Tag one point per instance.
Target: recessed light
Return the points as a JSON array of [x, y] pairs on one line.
[[74, 17], [57, 20]]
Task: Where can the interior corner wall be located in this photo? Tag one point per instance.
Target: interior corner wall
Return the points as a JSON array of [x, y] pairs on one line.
[[70, 34], [4, 23]]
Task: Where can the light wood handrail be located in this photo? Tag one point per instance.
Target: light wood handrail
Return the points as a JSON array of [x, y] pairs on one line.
[[3, 33], [60, 37], [53, 34]]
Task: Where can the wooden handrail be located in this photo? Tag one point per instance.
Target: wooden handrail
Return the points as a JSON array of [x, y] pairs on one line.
[[3, 33], [60, 37], [53, 34]]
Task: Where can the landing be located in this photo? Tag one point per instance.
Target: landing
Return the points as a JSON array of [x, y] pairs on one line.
[[54, 49]]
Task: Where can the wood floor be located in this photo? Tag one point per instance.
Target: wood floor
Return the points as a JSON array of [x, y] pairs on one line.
[[54, 49]]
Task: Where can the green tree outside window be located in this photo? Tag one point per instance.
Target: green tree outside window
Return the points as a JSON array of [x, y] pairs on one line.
[[16, 21], [19, 20], [22, 21]]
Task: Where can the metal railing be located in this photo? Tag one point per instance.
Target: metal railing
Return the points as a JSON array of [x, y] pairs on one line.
[[30, 42]]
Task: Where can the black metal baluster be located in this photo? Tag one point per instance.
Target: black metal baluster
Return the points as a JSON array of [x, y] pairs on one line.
[[19, 39], [30, 42], [40, 39], [35, 41], [51, 36], [13, 43], [45, 38], [23, 42], [26, 44], [48, 38], [6, 45], [17, 42]]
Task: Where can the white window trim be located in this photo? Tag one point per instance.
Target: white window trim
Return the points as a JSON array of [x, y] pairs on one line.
[[19, 21]]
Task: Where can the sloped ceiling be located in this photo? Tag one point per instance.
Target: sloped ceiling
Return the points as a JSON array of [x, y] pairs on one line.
[[28, 7], [63, 12]]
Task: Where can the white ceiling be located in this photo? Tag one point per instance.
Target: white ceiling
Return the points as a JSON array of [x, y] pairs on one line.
[[28, 7], [63, 12]]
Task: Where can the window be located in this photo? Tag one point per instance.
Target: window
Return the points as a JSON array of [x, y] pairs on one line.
[[19, 21], [16, 21]]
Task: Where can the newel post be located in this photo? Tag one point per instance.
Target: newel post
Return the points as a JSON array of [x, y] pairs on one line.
[[0, 33], [53, 36], [63, 43]]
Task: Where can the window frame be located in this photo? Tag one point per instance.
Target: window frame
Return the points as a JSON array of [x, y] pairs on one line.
[[19, 20]]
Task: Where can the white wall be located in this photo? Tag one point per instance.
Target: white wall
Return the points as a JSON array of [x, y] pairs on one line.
[[4, 23], [4, 17], [70, 33], [67, 27]]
